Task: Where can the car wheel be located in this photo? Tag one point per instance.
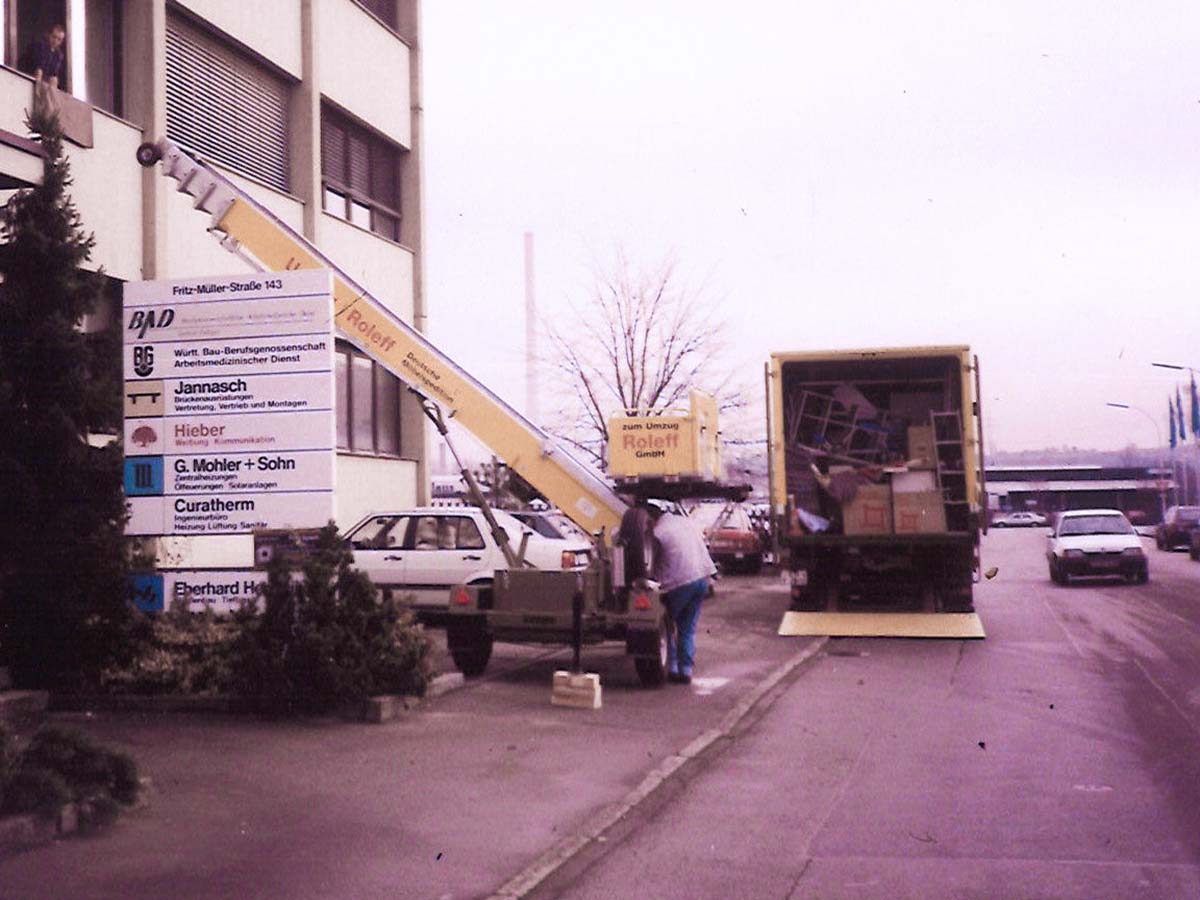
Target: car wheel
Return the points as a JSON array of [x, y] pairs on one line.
[[1054, 574], [1159, 543], [652, 670], [1144, 575]]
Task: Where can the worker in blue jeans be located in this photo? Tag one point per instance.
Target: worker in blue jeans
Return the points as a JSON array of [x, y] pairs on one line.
[[682, 567]]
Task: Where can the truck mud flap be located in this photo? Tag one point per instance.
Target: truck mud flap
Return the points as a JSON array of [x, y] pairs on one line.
[[876, 624]]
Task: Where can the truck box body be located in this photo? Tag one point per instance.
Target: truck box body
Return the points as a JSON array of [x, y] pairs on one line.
[[875, 481]]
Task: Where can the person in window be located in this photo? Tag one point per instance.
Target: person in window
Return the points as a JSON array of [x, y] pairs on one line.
[[45, 59]]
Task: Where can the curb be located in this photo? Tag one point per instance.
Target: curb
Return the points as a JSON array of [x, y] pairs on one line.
[[594, 831]]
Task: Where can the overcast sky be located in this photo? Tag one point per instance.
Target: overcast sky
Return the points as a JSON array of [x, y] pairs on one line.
[[1021, 177]]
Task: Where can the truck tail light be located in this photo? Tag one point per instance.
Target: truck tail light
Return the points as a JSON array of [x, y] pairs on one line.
[[641, 601], [462, 597]]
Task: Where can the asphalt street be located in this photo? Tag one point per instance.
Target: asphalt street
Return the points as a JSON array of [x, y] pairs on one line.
[[1056, 759]]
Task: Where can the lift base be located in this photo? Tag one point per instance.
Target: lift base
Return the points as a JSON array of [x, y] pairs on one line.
[[877, 624]]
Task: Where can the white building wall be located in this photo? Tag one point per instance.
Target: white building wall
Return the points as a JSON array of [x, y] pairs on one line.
[[383, 268], [271, 28], [107, 191], [364, 69], [367, 485]]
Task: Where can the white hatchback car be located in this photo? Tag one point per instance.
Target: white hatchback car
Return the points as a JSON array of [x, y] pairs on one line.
[[1096, 542], [426, 551]]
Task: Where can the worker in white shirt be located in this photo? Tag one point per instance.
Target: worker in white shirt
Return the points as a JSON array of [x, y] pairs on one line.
[[682, 567]]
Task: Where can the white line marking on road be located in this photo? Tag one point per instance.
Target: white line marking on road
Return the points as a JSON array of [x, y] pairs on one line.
[[705, 686], [1058, 622], [1175, 706]]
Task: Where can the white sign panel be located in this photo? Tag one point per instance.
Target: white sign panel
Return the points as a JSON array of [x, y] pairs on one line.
[[205, 434], [229, 391], [285, 470], [222, 592]]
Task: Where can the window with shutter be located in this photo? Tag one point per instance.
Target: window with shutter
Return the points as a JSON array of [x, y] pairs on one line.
[[362, 175], [224, 106]]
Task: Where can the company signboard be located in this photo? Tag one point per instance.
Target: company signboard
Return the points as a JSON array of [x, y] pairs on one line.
[[222, 591], [229, 392]]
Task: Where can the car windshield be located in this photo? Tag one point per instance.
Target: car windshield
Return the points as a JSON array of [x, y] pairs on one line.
[[1096, 524]]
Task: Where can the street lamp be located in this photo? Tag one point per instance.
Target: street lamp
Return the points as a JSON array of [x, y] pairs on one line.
[[1162, 490]]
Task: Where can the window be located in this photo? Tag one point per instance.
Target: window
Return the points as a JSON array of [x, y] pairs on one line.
[[225, 106], [384, 10], [361, 173], [367, 404]]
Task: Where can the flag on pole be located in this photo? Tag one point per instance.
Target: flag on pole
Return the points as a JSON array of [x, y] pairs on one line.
[[1179, 413], [1171, 419], [1195, 410]]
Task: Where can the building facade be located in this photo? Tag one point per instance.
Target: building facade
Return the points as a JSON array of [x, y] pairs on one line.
[[313, 107], [1139, 491]]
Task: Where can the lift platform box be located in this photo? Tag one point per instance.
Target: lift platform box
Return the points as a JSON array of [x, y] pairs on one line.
[[686, 446]]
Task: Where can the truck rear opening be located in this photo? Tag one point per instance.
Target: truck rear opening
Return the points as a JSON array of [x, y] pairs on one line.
[[875, 488]]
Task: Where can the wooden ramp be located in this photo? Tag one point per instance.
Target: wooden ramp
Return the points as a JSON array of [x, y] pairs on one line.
[[881, 624]]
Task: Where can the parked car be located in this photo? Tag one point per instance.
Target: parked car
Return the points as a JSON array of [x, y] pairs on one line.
[[1177, 526], [1095, 542], [733, 541], [1019, 520], [426, 551]]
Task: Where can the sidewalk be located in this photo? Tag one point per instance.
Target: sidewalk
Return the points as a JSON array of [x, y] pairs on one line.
[[453, 800]]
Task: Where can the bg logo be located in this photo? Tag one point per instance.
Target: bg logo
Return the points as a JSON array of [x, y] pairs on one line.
[[143, 360], [143, 320]]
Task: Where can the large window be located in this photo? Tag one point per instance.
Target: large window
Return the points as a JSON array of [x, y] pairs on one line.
[[226, 106], [367, 404], [361, 175]]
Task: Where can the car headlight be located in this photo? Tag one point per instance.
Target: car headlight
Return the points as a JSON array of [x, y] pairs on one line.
[[1133, 551], [1073, 554]]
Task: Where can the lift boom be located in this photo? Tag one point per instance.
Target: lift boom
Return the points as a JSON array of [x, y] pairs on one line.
[[249, 230]]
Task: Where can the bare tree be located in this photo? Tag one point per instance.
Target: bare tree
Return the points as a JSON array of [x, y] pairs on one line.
[[640, 340]]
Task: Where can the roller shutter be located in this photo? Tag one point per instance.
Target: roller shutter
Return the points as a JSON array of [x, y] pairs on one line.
[[225, 107]]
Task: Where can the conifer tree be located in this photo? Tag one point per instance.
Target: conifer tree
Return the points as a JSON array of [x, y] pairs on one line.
[[62, 511]]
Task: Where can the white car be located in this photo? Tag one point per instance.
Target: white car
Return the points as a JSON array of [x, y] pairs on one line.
[[1096, 542], [426, 551], [1019, 520]]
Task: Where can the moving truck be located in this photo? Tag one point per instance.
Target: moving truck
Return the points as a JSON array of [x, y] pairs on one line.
[[877, 490]]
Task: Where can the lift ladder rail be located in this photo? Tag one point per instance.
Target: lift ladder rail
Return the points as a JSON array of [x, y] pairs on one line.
[[249, 230]]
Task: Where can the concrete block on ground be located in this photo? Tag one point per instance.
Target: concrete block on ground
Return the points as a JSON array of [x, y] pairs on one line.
[[68, 819], [385, 708], [577, 691]]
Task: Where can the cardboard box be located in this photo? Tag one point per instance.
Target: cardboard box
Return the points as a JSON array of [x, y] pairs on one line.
[[920, 446], [914, 482], [919, 512], [870, 512]]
